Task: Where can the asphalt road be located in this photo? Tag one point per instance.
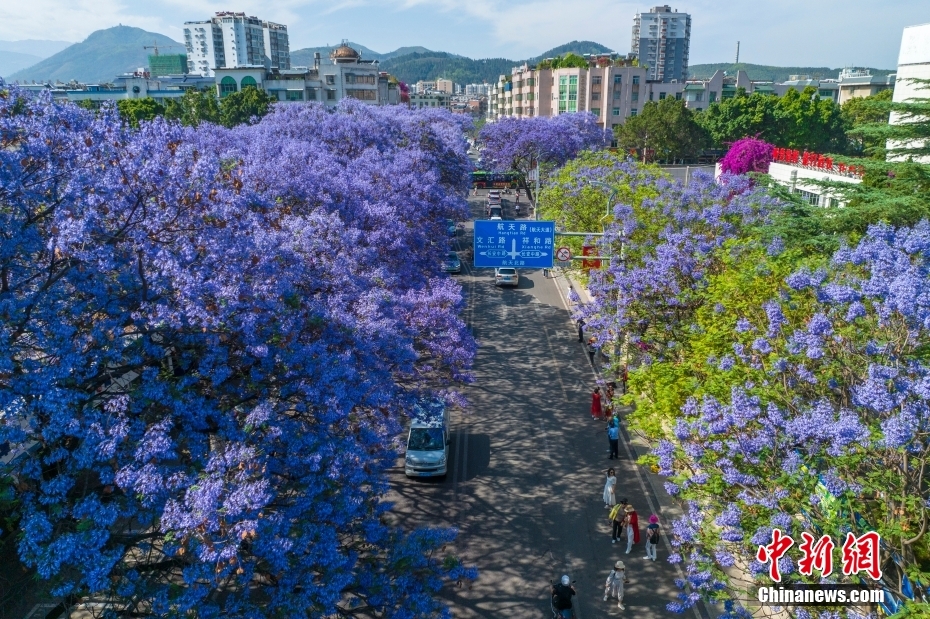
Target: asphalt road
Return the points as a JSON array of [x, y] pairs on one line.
[[528, 465]]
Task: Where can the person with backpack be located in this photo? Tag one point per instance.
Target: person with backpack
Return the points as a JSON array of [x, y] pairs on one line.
[[614, 585], [616, 517], [652, 537]]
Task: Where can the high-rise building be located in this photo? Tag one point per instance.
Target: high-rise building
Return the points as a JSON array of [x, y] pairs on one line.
[[231, 40], [661, 39]]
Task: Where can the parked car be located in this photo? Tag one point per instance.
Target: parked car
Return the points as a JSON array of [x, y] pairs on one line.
[[427, 451], [506, 276], [452, 264]]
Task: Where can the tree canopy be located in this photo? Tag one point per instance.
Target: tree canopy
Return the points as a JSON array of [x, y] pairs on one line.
[[210, 339], [666, 130]]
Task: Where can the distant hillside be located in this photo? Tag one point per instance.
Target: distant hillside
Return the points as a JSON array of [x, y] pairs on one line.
[[34, 47], [576, 47], [99, 58], [428, 66], [11, 62], [304, 57], [768, 73]]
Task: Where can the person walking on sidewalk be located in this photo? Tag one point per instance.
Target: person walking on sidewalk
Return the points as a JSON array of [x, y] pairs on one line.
[[613, 588], [632, 527], [592, 348], [652, 537], [609, 400], [617, 518], [581, 329], [596, 403], [613, 436], [609, 485]]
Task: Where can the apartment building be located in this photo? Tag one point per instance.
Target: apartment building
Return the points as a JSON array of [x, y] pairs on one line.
[[662, 41], [446, 86], [343, 75], [612, 88], [231, 40], [434, 99]]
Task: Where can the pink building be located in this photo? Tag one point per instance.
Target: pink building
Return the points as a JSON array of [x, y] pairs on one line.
[[611, 88]]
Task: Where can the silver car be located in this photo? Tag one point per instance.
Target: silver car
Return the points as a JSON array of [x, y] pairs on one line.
[[506, 276]]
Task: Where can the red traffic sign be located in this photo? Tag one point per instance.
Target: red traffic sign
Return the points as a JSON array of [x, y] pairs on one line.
[[590, 250], [563, 254]]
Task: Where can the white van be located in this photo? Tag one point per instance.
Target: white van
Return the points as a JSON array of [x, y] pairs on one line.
[[428, 442]]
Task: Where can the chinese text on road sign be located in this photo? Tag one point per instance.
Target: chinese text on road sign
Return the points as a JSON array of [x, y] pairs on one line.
[[518, 243]]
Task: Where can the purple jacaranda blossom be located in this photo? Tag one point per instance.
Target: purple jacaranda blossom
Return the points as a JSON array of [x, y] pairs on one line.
[[743, 325]]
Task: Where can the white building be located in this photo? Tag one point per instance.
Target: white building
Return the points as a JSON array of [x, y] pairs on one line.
[[913, 63], [435, 99], [661, 41], [231, 40], [478, 89], [343, 75]]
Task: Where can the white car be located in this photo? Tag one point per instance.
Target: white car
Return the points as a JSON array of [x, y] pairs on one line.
[[494, 193], [506, 276], [427, 452]]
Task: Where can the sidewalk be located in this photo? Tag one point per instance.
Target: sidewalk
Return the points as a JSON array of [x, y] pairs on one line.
[[634, 446]]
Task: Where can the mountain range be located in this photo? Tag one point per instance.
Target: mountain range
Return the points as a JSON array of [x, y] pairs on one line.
[[107, 53], [100, 57]]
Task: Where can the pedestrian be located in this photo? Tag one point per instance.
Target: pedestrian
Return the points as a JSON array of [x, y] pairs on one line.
[[581, 330], [613, 436], [632, 527], [609, 400], [609, 485], [592, 348], [596, 403], [617, 517], [623, 378], [652, 537], [613, 588]]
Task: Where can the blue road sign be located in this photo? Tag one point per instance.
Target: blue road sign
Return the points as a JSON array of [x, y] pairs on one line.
[[514, 243]]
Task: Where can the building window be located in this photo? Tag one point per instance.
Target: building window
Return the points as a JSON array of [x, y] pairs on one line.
[[311, 94], [699, 96], [713, 96], [616, 111], [811, 198], [295, 95], [616, 79], [595, 96], [531, 82], [651, 94], [636, 79], [635, 96], [633, 112], [596, 80], [330, 95], [662, 96], [596, 111], [227, 86], [678, 96], [617, 94], [330, 79], [247, 81]]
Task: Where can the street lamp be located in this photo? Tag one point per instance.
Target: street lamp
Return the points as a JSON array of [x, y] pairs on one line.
[[610, 198]]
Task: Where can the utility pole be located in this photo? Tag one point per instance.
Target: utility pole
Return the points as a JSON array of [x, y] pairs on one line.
[[737, 52]]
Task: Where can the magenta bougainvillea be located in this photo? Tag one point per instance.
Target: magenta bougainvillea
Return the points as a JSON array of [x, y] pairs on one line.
[[747, 155]]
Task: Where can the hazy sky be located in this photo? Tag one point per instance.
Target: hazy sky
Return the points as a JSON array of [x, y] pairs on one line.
[[778, 32]]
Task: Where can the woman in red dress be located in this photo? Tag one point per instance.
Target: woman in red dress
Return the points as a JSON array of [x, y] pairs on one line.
[[596, 403]]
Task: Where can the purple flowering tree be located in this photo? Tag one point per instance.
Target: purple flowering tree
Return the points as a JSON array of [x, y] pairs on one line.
[[512, 144], [208, 345], [747, 155]]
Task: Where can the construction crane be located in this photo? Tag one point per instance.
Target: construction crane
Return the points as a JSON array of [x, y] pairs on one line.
[[155, 46]]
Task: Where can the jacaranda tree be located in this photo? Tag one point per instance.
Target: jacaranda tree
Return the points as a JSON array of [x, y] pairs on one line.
[[209, 340], [517, 144], [783, 389]]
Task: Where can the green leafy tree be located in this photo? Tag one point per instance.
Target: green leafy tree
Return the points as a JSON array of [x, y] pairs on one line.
[[238, 108], [136, 110], [908, 137], [668, 128], [860, 112], [193, 108], [800, 120]]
